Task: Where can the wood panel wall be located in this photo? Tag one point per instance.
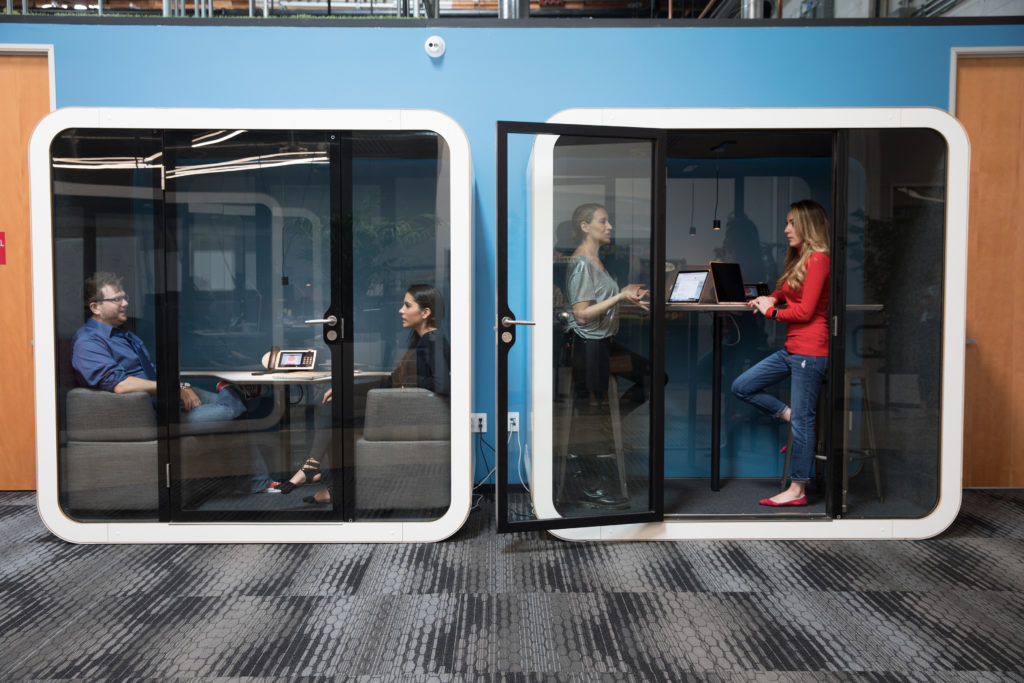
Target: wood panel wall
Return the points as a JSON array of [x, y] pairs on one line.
[[25, 84], [989, 93]]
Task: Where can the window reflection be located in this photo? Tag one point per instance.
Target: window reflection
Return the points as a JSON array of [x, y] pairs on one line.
[[237, 236], [896, 233], [106, 200], [401, 238], [603, 225]]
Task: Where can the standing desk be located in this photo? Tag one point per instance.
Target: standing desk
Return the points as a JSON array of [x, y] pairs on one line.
[[716, 374], [716, 362]]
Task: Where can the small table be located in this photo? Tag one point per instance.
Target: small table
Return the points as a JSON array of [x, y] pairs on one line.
[[282, 378], [263, 377]]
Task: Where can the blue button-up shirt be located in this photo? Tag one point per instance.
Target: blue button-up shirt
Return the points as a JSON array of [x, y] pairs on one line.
[[103, 356]]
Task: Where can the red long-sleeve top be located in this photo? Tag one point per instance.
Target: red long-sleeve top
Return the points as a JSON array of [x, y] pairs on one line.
[[806, 313]]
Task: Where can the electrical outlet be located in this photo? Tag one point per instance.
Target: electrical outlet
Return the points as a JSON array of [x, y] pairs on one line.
[[513, 422], [478, 422]]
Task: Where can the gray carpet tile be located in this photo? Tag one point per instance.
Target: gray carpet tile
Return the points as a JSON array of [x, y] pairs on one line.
[[519, 608]]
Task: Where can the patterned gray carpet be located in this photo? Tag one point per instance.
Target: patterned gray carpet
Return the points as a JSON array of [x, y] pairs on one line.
[[523, 607]]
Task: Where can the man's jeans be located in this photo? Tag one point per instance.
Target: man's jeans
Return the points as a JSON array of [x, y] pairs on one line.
[[222, 406], [225, 406], [807, 373]]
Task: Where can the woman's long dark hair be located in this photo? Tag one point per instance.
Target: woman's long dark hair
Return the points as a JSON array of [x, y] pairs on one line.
[[426, 296]]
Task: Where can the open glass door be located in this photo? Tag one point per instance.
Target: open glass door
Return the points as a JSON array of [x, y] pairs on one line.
[[579, 363]]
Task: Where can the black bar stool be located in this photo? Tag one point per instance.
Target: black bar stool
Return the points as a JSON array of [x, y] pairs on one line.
[[854, 376]]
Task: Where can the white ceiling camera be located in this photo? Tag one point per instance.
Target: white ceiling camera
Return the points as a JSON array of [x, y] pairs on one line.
[[434, 46]]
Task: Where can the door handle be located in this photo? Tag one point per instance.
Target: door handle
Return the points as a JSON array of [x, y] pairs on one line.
[[509, 322], [329, 320]]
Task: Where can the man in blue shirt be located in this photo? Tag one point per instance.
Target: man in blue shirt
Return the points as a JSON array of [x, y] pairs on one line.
[[106, 356]]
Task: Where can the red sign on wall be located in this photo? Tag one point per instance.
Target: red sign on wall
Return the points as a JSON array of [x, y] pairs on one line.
[[3, 248]]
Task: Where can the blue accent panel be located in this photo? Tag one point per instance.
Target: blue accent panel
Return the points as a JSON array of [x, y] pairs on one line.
[[493, 73]]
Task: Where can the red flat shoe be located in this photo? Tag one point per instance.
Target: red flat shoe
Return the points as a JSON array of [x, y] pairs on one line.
[[796, 502]]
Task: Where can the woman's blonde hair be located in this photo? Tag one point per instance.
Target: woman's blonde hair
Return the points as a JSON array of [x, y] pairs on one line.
[[812, 228]]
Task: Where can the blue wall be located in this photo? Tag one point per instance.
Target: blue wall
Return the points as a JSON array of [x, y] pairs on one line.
[[492, 73]]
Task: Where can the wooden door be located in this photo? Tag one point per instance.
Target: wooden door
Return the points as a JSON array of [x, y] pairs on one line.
[[989, 92], [25, 84]]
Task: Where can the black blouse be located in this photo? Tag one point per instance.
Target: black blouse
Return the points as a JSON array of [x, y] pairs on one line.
[[426, 365]]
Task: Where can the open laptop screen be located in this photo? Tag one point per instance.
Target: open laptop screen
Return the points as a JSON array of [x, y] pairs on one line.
[[728, 281], [687, 286]]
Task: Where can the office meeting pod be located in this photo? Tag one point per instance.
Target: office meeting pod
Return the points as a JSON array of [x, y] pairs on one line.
[[652, 444], [251, 325]]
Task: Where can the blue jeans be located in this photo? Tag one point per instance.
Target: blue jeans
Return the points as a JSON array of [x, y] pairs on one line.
[[224, 406], [220, 407], [807, 373]]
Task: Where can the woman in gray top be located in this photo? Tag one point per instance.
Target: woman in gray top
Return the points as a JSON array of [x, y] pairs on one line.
[[594, 299]]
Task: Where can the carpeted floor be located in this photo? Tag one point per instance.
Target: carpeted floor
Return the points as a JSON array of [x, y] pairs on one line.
[[524, 607]]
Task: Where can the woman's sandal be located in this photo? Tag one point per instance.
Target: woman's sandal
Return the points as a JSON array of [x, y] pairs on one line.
[[311, 470], [312, 500]]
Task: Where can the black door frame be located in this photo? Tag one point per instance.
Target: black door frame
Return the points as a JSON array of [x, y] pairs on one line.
[[835, 422], [502, 346]]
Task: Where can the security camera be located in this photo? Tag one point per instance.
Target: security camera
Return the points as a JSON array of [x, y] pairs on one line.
[[434, 46]]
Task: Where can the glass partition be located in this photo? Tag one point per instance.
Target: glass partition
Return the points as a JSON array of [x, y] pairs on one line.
[[106, 203], [602, 374], [400, 217], [294, 285], [894, 289], [248, 262]]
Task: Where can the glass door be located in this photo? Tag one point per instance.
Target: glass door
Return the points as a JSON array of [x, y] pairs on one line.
[[887, 353], [281, 298], [580, 317], [250, 259]]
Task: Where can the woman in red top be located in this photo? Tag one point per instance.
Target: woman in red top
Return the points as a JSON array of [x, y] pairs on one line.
[[804, 288]]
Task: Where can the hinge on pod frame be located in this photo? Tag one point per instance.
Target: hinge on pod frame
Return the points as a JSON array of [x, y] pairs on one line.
[[168, 475]]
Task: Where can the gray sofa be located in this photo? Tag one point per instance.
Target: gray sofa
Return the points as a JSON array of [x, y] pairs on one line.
[[403, 458], [109, 456], [109, 453]]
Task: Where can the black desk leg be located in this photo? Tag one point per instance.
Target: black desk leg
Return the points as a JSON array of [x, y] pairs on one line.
[[716, 401]]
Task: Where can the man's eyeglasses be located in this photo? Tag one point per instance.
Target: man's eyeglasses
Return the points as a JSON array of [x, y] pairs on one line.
[[117, 299]]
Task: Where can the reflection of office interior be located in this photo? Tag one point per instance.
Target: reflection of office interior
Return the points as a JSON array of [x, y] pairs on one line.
[[255, 257]]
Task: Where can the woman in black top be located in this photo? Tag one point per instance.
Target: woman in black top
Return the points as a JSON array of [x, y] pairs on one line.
[[425, 365]]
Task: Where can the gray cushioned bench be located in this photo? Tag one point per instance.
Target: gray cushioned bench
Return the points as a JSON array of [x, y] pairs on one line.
[[403, 459]]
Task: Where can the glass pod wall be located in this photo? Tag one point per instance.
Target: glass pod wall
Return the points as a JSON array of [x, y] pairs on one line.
[[252, 325]]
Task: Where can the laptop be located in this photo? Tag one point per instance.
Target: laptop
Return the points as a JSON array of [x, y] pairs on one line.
[[688, 287], [728, 281]]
